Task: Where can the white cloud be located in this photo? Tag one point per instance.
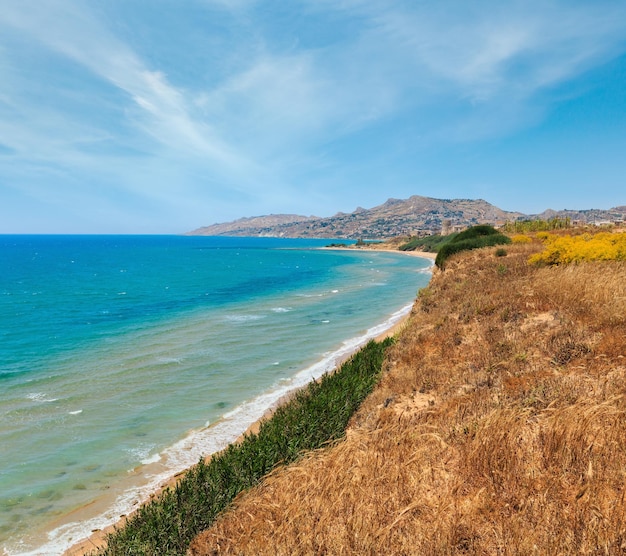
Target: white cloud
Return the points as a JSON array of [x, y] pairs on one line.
[[490, 48], [480, 69], [402, 55], [164, 114]]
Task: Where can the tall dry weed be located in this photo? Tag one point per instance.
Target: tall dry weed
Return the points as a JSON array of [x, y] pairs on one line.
[[593, 292], [499, 427]]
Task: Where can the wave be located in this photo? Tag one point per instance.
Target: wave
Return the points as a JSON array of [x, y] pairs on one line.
[[169, 360], [243, 318], [41, 397], [142, 453]]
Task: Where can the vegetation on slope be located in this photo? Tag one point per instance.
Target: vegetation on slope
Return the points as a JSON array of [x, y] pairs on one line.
[[446, 246], [537, 225], [499, 427], [475, 237], [429, 244], [315, 416]]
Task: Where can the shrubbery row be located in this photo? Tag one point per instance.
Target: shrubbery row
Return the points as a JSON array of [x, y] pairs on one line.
[[429, 244], [525, 226], [472, 238]]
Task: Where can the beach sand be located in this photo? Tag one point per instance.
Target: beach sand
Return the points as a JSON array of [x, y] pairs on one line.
[[98, 537]]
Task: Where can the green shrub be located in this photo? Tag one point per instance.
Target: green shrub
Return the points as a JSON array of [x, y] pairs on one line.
[[430, 244], [474, 232], [472, 238]]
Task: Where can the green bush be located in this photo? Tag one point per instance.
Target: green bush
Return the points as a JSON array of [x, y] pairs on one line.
[[474, 232], [472, 238], [430, 244]]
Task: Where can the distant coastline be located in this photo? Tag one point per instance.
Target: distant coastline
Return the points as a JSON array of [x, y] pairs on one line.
[[387, 249]]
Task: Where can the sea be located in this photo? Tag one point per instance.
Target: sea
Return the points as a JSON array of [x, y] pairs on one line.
[[125, 359]]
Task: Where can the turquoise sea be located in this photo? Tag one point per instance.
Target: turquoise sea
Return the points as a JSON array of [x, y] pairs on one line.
[[124, 359]]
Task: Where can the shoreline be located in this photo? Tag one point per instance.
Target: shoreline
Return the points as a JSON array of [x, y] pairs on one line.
[[97, 539], [385, 249]]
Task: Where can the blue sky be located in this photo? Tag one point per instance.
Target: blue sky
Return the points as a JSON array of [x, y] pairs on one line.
[[161, 116]]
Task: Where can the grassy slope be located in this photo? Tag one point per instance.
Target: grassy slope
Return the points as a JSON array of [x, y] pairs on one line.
[[499, 427]]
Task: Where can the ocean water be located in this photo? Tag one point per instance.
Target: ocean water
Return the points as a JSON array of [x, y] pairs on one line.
[[124, 359]]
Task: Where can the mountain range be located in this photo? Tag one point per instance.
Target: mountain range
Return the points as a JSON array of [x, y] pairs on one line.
[[416, 215]]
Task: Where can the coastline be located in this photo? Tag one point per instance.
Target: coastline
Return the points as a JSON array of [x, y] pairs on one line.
[[97, 539], [421, 254], [384, 248]]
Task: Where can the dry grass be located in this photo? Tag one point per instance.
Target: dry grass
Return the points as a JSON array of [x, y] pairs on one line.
[[499, 428]]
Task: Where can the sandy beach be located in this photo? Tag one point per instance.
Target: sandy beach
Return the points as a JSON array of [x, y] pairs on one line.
[[385, 248], [98, 537]]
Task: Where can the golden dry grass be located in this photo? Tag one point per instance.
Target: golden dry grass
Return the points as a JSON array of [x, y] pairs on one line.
[[499, 427]]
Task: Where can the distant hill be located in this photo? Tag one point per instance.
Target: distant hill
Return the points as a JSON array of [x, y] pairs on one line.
[[396, 217], [253, 226], [587, 216]]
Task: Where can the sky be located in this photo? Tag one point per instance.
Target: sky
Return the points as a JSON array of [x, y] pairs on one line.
[[161, 116]]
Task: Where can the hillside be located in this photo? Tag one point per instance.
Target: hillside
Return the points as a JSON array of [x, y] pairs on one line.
[[253, 226], [396, 217], [499, 427], [587, 216], [393, 218]]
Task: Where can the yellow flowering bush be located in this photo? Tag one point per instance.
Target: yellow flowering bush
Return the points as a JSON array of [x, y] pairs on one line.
[[521, 238], [604, 246]]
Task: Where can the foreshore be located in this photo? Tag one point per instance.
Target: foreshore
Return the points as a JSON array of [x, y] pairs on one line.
[[98, 537]]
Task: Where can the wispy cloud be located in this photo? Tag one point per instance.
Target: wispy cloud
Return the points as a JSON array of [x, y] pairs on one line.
[[484, 53], [472, 71], [401, 55], [158, 108]]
